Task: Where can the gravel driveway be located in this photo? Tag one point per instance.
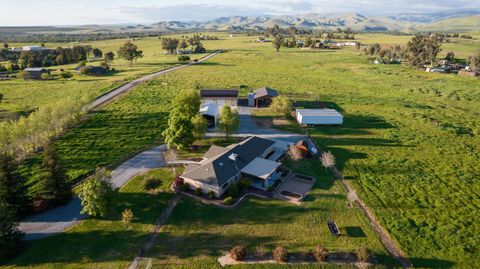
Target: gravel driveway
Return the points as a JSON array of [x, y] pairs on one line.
[[61, 218], [249, 126]]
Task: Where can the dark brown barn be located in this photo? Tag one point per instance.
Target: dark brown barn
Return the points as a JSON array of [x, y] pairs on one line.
[[263, 96]]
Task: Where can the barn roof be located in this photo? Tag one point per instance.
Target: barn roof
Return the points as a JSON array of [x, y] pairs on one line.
[[219, 93]]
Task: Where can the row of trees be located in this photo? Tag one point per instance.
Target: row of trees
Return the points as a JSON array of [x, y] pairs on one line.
[[172, 44], [28, 134], [49, 57], [67, 38]]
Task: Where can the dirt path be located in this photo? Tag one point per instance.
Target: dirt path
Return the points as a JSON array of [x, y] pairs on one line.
[[385, 237], [150, 240]]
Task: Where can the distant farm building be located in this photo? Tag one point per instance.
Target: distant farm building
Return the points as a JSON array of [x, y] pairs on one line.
[[35, 72], [262, 97], [33, 48], [210, 113], [220, 97], [306, 117]]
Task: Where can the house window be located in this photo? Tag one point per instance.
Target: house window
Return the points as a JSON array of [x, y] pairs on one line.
[[225, 185]]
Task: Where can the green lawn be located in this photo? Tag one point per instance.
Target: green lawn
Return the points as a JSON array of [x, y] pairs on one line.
[[106, 242], [410, 145]]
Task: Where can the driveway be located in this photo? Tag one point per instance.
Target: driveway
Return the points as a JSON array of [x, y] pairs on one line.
[[59, 219], [249, 126]]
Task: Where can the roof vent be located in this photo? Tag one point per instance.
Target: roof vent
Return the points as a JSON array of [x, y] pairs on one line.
[[233, 157], [221, 164]]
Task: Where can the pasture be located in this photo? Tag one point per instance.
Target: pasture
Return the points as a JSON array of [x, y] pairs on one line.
[[410, 145]]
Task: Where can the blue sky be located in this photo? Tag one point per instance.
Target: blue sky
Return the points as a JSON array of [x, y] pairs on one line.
[[74, 12]]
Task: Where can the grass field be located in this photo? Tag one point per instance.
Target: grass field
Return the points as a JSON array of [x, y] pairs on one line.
[[410, 144], [21, 96], [106, 242]]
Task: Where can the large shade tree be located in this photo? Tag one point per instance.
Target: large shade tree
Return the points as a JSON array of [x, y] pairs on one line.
[[129, 52], [229, 120]]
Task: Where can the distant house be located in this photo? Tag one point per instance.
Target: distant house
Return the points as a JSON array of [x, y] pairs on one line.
[[33, 48], [262, 97], [35, 72], [219, 97], [255, 158], [92, 70], [306, 117]]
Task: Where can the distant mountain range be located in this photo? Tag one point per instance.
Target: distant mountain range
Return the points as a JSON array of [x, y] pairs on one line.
[[405, 22], [455, 21]]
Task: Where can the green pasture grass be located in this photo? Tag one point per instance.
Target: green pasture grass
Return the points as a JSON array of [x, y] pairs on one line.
[[103, 242], [410, 145]]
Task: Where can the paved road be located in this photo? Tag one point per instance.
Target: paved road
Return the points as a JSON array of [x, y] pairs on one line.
[[132, 84], [61, 218], [249, 126]]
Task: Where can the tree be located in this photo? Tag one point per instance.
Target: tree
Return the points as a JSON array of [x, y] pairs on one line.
[[183, 44], [281, 104], [5, 45], [450, 56], [327, 159], [95, 193], [229, 120], [179, 131], [277, 42], [200, 126], [54, 185], [433, 48], [12, 190], [170, 44], [1, 97], [129, 52], [474, 62], [127, 217], [183, 58], [421, 50], [97, 53], [10, 236], [358, 45], [294, 153], [109, 57]]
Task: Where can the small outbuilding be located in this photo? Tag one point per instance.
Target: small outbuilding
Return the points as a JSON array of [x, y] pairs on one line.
[[306, 117], [35, 72], [210, 113], [219, 97], [263, 96]]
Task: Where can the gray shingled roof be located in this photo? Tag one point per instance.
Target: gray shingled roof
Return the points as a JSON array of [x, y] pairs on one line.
[[265, 91], [218, 170], [218, 93], [214, 151]]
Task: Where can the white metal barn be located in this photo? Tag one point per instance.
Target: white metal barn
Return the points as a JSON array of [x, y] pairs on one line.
[[319, 117]]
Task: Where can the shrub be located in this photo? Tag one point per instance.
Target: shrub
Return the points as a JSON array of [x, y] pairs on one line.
[[195, 60], [66, 74], [238, 253], [320, 253], [260, 252], [45, 76], [150, 184], [127, 216], [82, 63], [244, 183], [84, 70], [280, 254], [183, 58], [210, 194], [198, 191], [233, 190], [185, 187], [228, 200], [363, 254]]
